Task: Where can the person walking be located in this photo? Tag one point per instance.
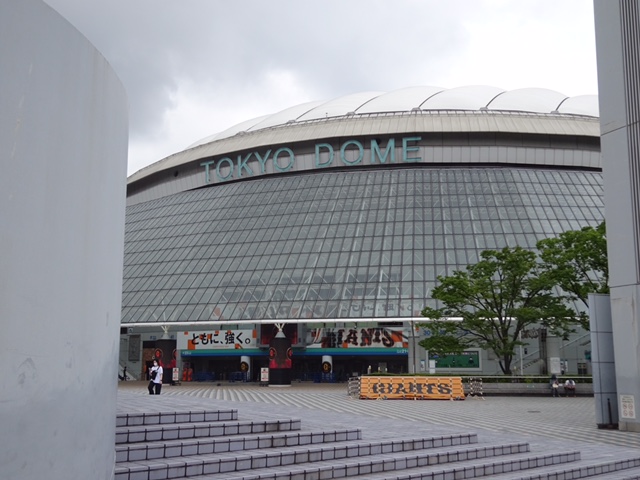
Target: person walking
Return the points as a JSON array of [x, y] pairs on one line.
[[155, 375], [555, 386]]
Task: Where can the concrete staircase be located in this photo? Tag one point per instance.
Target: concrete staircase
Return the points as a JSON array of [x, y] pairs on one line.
[[216, 444]]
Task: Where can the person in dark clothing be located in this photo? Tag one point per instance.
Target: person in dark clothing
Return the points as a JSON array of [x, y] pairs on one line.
[[555, 386]]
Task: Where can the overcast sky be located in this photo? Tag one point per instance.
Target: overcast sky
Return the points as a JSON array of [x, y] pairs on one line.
[[192, 68]]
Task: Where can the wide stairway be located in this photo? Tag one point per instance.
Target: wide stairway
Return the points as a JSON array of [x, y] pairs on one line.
[[216, 444]]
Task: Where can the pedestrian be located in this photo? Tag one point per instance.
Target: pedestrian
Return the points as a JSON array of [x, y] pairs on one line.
[[155, 375], [555, 386]]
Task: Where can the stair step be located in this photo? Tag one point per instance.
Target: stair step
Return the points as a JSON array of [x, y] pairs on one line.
[[324, 461], [236, 443], [384, 469], [163, 418], [596, 470], [628, 474], [205, 429]]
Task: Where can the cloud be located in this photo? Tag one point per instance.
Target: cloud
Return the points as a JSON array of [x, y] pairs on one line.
[[195, 67]]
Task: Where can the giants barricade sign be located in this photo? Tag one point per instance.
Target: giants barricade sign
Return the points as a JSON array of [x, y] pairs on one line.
[[420, 388]]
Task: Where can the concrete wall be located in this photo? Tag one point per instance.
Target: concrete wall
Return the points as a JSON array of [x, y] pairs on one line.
[[617, 35], [63, 149]]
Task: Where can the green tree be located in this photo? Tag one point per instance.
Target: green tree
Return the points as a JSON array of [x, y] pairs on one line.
[[490, 303], [577, 261]]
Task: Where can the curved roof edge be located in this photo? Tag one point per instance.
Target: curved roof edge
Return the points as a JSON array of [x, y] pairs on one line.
[[410, 99]]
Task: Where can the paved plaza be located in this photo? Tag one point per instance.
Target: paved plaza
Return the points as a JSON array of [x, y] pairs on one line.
[[535, 419]]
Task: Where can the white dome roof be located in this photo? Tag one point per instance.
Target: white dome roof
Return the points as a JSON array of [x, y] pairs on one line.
[[422, 98]]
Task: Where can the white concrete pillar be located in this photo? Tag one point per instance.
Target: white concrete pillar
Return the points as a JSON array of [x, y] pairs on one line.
[[617, 24], [63, 151], [603, 361]]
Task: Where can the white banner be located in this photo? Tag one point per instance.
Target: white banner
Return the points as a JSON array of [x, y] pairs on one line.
[[217, 339]]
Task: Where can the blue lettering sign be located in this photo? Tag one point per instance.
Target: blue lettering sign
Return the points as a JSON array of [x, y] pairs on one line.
[[406, 149], [242, 165], [344, 148], [222, 161], [390, 150], [276, 155], [352, 152], [263, 161], [206, 170], [327, 147]]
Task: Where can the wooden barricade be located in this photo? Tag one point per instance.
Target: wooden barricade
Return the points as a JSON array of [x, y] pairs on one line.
[[414, 388]]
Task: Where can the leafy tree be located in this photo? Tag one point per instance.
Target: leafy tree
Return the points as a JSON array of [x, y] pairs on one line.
[[490, 303], [577, 261]]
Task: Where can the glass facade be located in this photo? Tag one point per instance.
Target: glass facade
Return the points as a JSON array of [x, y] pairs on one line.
[[336, 245]]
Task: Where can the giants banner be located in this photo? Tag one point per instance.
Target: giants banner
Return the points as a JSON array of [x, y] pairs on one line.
[[356, 338], [414, 388]]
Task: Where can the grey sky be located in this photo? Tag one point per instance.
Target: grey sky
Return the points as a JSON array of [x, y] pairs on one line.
[[192, 68]]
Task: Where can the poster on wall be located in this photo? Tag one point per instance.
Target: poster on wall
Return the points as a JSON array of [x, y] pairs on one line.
[[217, 339], [356, 338], [134, 348]]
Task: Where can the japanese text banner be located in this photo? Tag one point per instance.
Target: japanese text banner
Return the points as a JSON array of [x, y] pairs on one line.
[[217, 339]]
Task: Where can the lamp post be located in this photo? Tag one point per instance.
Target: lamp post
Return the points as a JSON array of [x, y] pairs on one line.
[[413, 347]]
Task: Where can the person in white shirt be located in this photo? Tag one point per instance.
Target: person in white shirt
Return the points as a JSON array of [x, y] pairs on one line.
[[570, 388], [155, 374]]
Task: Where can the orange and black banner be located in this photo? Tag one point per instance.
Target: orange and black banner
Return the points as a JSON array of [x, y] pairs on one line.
[[419, 388]]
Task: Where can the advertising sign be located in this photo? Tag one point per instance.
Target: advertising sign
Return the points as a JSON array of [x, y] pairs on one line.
[[466, 359], [423, 388], [217, 339], [357, 338]]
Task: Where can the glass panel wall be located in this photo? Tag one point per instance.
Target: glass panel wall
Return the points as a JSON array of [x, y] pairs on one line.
[[336, 245]]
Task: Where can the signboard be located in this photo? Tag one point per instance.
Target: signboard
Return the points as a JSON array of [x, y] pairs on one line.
[[357, 338], [464, 360], [627, 404], [217, 339], [555, 365], [432, 366], [264, 374], [175, 375], [350, 152], [422, 388]]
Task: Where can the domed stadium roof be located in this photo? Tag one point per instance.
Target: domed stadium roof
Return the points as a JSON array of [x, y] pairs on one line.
[[412, 109], [412, 99]]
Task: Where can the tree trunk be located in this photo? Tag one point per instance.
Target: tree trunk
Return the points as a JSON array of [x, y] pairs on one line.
[[505, 364]]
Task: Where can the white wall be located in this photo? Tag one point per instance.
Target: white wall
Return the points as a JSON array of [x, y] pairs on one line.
[[63, 148]]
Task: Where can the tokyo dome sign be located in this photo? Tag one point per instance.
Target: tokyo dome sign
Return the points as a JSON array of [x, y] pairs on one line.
[[283, 159]]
